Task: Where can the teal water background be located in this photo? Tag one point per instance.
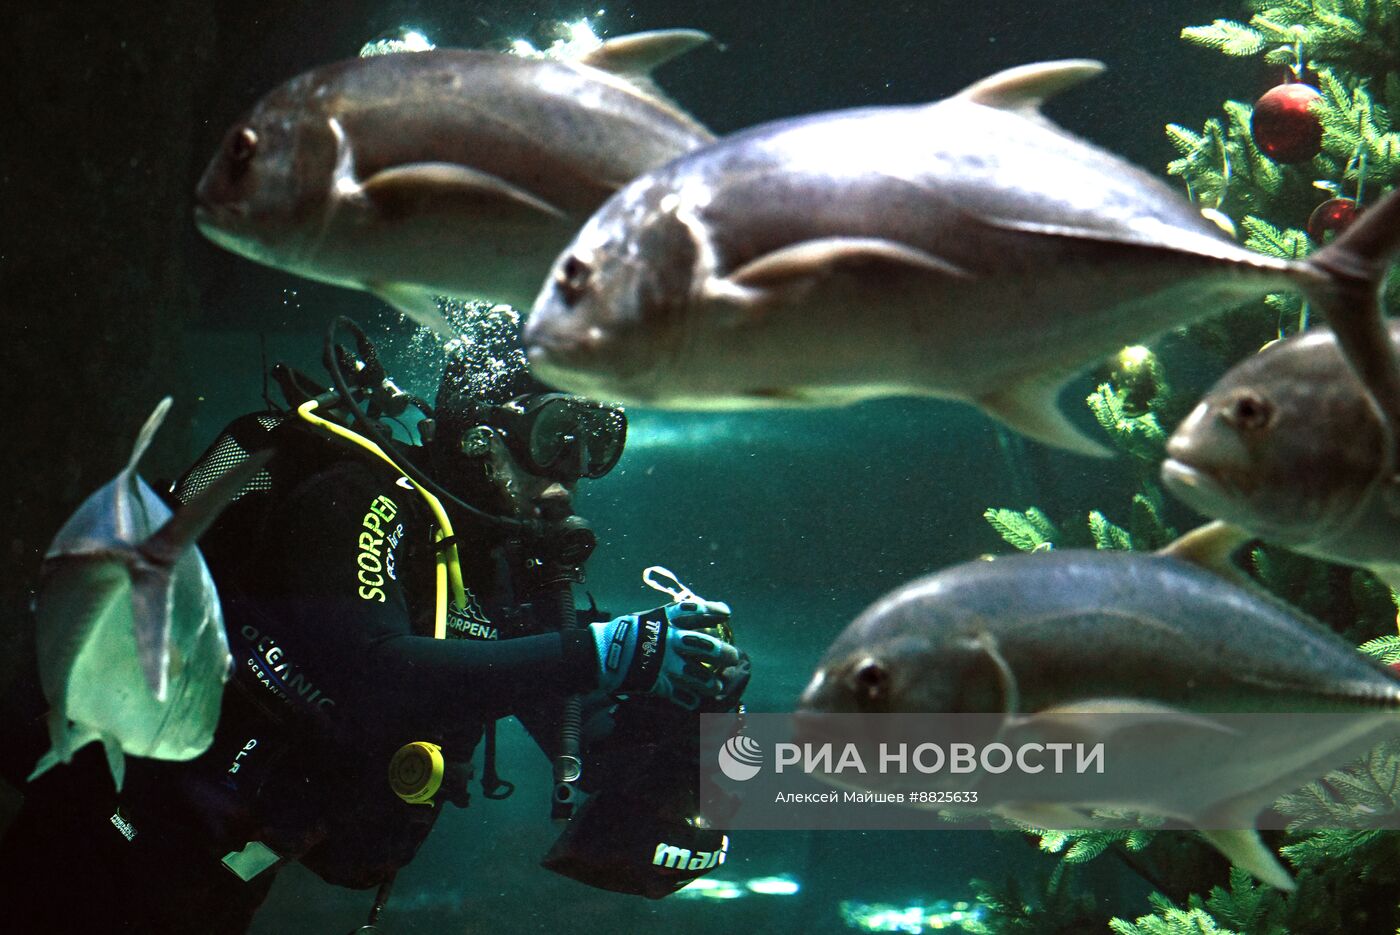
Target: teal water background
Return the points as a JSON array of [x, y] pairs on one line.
[[797, 519]]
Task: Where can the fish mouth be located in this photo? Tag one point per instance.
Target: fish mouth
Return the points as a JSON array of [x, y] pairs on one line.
[[205, 217], [1201, 490], [1212, 493], [564, 360], [216, 221]]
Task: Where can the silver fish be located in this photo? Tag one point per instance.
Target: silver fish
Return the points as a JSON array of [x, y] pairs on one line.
[[1289, 446], [966, 249], [443, 172], [1084, 641], [130, 642]]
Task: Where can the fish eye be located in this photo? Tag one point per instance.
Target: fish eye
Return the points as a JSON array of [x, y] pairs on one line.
[[870, 681], [243, 144], [1248, 412], [573, 278]]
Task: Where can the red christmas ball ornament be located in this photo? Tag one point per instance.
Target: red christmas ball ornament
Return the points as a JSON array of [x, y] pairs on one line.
[[1331, 218], [1284, 126]]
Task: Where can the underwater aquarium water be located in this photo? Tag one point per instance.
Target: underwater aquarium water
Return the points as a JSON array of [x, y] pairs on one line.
[[797, 518]]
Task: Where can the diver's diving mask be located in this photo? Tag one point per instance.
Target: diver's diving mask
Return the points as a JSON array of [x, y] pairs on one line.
[[561, 436]]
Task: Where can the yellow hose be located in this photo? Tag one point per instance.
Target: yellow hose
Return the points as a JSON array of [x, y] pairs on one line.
[[449, 566]]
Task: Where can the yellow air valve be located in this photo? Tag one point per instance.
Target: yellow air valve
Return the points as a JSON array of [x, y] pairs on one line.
[[415, 772]]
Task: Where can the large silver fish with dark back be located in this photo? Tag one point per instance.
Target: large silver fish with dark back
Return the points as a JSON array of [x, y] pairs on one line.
[[966, 249], [1289, 446], [1080, 645], [130, 641], [444, 172]]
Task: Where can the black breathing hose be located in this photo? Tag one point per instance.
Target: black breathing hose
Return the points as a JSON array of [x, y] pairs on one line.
[[555, 605], [362, 421]]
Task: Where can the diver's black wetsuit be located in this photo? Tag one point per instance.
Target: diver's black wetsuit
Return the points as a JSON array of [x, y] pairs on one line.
[[328, 587]]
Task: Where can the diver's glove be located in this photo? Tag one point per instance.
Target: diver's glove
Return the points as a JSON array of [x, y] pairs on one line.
[[663, 652]]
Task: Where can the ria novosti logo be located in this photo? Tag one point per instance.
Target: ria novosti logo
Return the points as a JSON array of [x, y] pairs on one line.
[[740, 758]]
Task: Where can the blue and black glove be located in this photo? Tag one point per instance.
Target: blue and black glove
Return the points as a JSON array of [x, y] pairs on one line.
[[663, 652]]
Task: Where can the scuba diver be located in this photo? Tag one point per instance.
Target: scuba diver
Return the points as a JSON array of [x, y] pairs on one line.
[[385, 605]]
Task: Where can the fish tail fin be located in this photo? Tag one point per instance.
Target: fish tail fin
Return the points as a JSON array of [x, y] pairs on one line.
[[1347, 281], [1246, 850], [150, 595]]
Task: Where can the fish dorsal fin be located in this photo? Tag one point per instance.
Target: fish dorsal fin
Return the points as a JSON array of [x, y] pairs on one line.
[[814, 259], [131, 516], [1025, 87], [1099, 720], [638, 54], [148, 432], [1210, 547]]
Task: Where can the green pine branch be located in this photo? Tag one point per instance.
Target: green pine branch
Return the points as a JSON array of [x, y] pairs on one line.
[[1168, 919], [1247, 907], [1147, 528], [1139, 435], [1385, 648], [1107, 535], [1029, 530], [1250, 906], [1227, 36], [1289, 244], [1358, 796], [1333, 847]]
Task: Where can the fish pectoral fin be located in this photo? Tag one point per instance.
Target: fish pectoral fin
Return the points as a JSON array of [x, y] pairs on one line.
[[46, 762], [192, 520], [1246, 850], [1026, 87], [802, 264], [641, 52], [116, 760], [1031, 407], [1099, 720], [415, 303], [1210, 547], [412, 189]]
